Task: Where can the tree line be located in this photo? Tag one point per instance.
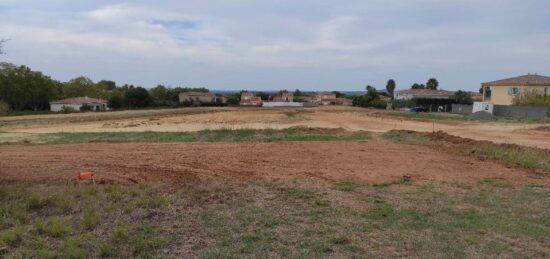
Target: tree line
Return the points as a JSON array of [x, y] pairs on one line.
[[22, 88]]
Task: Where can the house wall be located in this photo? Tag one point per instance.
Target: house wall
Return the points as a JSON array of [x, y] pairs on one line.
[[59, 107], [500, 95]]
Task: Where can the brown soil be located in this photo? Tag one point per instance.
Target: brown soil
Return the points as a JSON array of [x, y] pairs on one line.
[[21, 128], [373, 161]]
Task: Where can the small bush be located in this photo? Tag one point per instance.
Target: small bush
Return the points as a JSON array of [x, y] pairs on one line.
[[71, 249], [347, 186], [90, 219], [86, 108], [53, 227], [68, 109], [4, 108], [11, 237]]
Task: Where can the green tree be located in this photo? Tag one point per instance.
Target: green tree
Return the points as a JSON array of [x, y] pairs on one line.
[[263, 95], [23, 89], [418, 86], [115, 102], [160, 92], [463, 97], [83, 86], [390, 87], [297, 93], [338, 94], [432, 84], [107, 84], [137, 97]]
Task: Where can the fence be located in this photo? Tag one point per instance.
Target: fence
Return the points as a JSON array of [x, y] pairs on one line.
[[508, 110]]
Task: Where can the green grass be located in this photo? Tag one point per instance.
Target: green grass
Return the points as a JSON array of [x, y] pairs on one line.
[[527, 157], [459, 117], [225, 135], [275, 218], [522, 156]]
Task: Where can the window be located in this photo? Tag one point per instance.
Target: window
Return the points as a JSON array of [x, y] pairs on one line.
[[514, 91]]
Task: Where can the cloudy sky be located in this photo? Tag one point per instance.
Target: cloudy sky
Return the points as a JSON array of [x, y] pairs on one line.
[[307, 44]]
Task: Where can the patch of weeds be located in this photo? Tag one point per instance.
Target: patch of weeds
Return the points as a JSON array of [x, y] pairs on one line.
[[121, 233], [71, 248], [152, 201], [90, 219], [35, 202], [402, 180], [290, 115], [147, 240], [523, 156], [11, 237], [495, 182], [53, 227], [299, 193], [404, 136], [347, 186], [106, 250]]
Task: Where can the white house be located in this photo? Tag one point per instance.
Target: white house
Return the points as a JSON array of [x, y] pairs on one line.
[[77, 102]]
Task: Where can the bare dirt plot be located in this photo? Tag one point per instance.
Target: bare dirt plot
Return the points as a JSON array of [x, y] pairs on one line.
[[373, 161], [194, 119]]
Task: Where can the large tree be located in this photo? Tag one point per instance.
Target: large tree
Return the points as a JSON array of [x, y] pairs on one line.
[[82, 86], [418, 86], [432, 84], [463, 97], [390, 87], [137, 97], [24, 89], [160, 92]]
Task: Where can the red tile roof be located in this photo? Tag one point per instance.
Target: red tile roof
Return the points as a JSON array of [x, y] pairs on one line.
[[520, 80]]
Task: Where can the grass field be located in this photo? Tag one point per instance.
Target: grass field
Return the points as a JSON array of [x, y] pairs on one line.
[[223, 135], [275, 219], [533, 158], [459, 117]]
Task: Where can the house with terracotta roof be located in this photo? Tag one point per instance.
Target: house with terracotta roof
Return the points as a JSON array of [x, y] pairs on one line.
[[325, 98], [77, 103], [249, 99], [284, 97], [503, 92], [203, 97]]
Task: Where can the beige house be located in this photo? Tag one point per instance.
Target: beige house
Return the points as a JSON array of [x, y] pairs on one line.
[[249, 99], [325, 98], [284, 97], [203, 97], [77, 102], [504, 91]]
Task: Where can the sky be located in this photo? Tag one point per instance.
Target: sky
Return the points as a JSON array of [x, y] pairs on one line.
[[281, 44]]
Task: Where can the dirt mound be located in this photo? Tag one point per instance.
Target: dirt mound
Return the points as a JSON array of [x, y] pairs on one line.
[[371, 162], [444, 136], [543, 128]]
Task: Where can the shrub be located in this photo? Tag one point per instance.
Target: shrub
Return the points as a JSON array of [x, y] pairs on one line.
[[68, 109], [4, 108], [532, 97], [53, 227], [86, 108]]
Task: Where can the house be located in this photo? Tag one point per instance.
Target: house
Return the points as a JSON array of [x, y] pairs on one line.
[[409, 94], [344, 101], [203, 97], [325, 98], [77, 103], [503, 92], [249, 99], [284, 97]]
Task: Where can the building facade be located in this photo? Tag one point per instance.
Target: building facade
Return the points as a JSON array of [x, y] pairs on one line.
[[77, 103], [203, 97], [249, 99], [503, 92]]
